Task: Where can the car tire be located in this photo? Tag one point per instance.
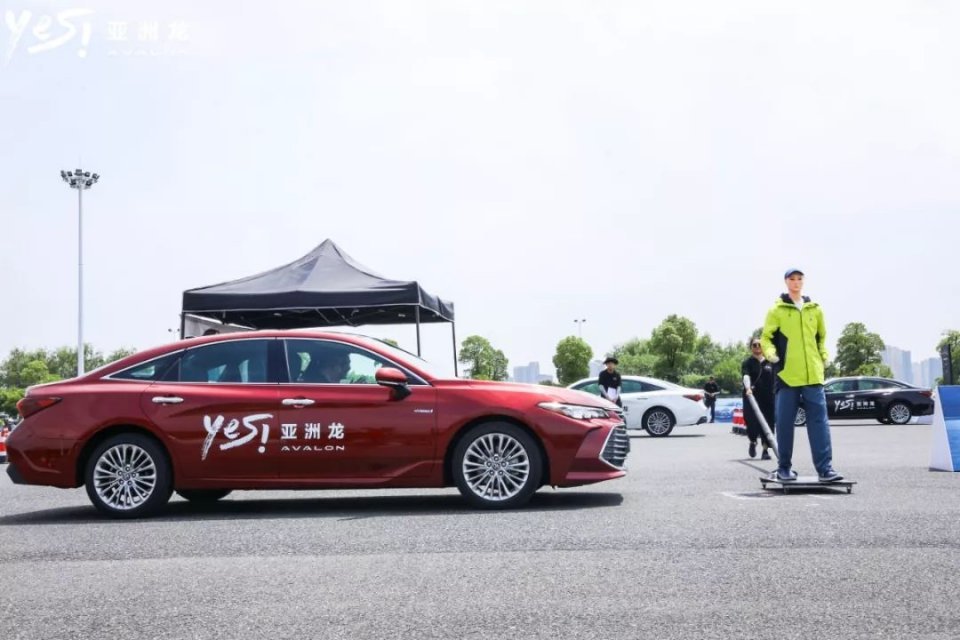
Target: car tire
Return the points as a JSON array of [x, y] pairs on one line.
[[801, 419], [899, 413], [659, 422], [497, 465], [203, 496], [128, 476]]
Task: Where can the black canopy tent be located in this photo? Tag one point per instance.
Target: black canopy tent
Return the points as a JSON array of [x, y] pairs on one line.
[[324, 288]]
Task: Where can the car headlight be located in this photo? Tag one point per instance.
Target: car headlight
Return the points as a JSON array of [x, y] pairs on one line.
[[575, 411]]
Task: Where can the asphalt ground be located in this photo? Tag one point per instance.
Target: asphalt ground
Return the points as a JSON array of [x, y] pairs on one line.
[[688, 545]]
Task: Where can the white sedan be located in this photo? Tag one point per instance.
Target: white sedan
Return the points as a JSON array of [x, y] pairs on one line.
[[656, 406]]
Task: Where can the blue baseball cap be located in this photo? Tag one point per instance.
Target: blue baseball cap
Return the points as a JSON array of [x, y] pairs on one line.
[[790, 272]]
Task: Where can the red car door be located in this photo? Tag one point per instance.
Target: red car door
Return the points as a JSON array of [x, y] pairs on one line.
[[337, 423], [220, 412]]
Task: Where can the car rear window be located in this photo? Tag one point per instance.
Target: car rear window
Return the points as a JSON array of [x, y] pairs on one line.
[[154, 370], [230, 362]]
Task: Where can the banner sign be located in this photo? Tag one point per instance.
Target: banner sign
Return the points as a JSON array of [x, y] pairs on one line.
[[947, 361], [945, 453]]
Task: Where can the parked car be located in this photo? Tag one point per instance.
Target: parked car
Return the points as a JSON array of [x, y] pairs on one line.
[[885, 400], [725, 408], [304, 410], [656, 406], [4, 432]]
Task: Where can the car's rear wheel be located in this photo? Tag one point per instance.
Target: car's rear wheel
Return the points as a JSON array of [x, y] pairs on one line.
[[497, 465], [128, 476], [203, 496], [659, 422], [801, 418], [899, 413]]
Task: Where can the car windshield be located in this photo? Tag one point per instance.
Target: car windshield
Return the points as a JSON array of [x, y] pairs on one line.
[[403, 355]]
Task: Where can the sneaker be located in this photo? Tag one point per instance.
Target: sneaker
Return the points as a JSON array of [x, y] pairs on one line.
[[765, 455], [830, 476], [786, 475], [752, 450]]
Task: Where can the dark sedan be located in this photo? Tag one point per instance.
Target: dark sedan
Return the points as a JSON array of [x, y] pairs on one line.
[[887, 401]]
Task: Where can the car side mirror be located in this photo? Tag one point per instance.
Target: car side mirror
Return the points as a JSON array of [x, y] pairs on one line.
[[395, 380]]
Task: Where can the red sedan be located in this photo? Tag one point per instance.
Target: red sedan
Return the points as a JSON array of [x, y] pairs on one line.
[[304, 410]]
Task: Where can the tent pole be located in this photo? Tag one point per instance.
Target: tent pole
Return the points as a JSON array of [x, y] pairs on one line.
[[453, 330], [416, 311], [183, 324]]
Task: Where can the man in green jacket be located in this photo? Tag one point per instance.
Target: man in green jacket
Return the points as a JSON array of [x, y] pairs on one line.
[[794, 338]]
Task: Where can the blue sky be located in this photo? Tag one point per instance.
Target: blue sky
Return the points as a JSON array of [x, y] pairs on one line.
[[534, 162]]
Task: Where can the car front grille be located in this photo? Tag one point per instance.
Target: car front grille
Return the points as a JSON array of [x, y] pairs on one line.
[[617, 447]]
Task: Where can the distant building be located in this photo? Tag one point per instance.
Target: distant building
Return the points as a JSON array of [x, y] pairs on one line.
[[927, 371], [529, 374], [932, 369], [900, 362]]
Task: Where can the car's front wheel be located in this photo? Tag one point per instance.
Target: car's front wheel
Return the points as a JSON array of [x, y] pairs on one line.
[[128, 476], [497, 466], [659, 422], [899, 413], [203, 496]]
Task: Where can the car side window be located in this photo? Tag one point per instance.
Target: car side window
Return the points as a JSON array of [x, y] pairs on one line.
[[873, 385], [328, 362], [154, 370], [650, 387], [229, 362], [589, 387], [633, 386], [833, 387]]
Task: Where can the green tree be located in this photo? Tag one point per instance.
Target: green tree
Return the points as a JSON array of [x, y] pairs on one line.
[[858, 350], [727, 373], [36, 372], [707, 354], [499, 366], [8, 400], [572, 360], [952, 338], [11, 369], [21, 369], [483, 361], [875, 369], [673, 342], [635, 357]]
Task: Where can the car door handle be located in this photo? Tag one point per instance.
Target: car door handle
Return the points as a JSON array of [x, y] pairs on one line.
[[167, 400], [297, 402]]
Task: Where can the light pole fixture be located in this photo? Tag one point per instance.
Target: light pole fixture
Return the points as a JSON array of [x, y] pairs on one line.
[[81, 181], [579, 322]]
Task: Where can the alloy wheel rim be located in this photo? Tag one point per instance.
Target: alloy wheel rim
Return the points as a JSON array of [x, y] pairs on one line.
[[801, 417], [496, 466], [899, 414], [124, 477], [658, 422]]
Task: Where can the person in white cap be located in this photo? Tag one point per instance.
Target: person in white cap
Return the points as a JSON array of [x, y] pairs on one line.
[[794, 338]]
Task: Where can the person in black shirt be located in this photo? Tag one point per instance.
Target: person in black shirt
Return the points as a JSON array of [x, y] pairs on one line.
[[711, 390], [762, 387], [609, 381]]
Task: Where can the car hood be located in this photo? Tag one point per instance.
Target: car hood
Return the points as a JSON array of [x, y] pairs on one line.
[[541, 391]]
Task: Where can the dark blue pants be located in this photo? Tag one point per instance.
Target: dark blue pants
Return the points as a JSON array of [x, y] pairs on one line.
[[818, 429]]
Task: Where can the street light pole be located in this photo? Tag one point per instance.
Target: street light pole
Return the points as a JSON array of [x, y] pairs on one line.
[[81, 181], [579, 323]]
